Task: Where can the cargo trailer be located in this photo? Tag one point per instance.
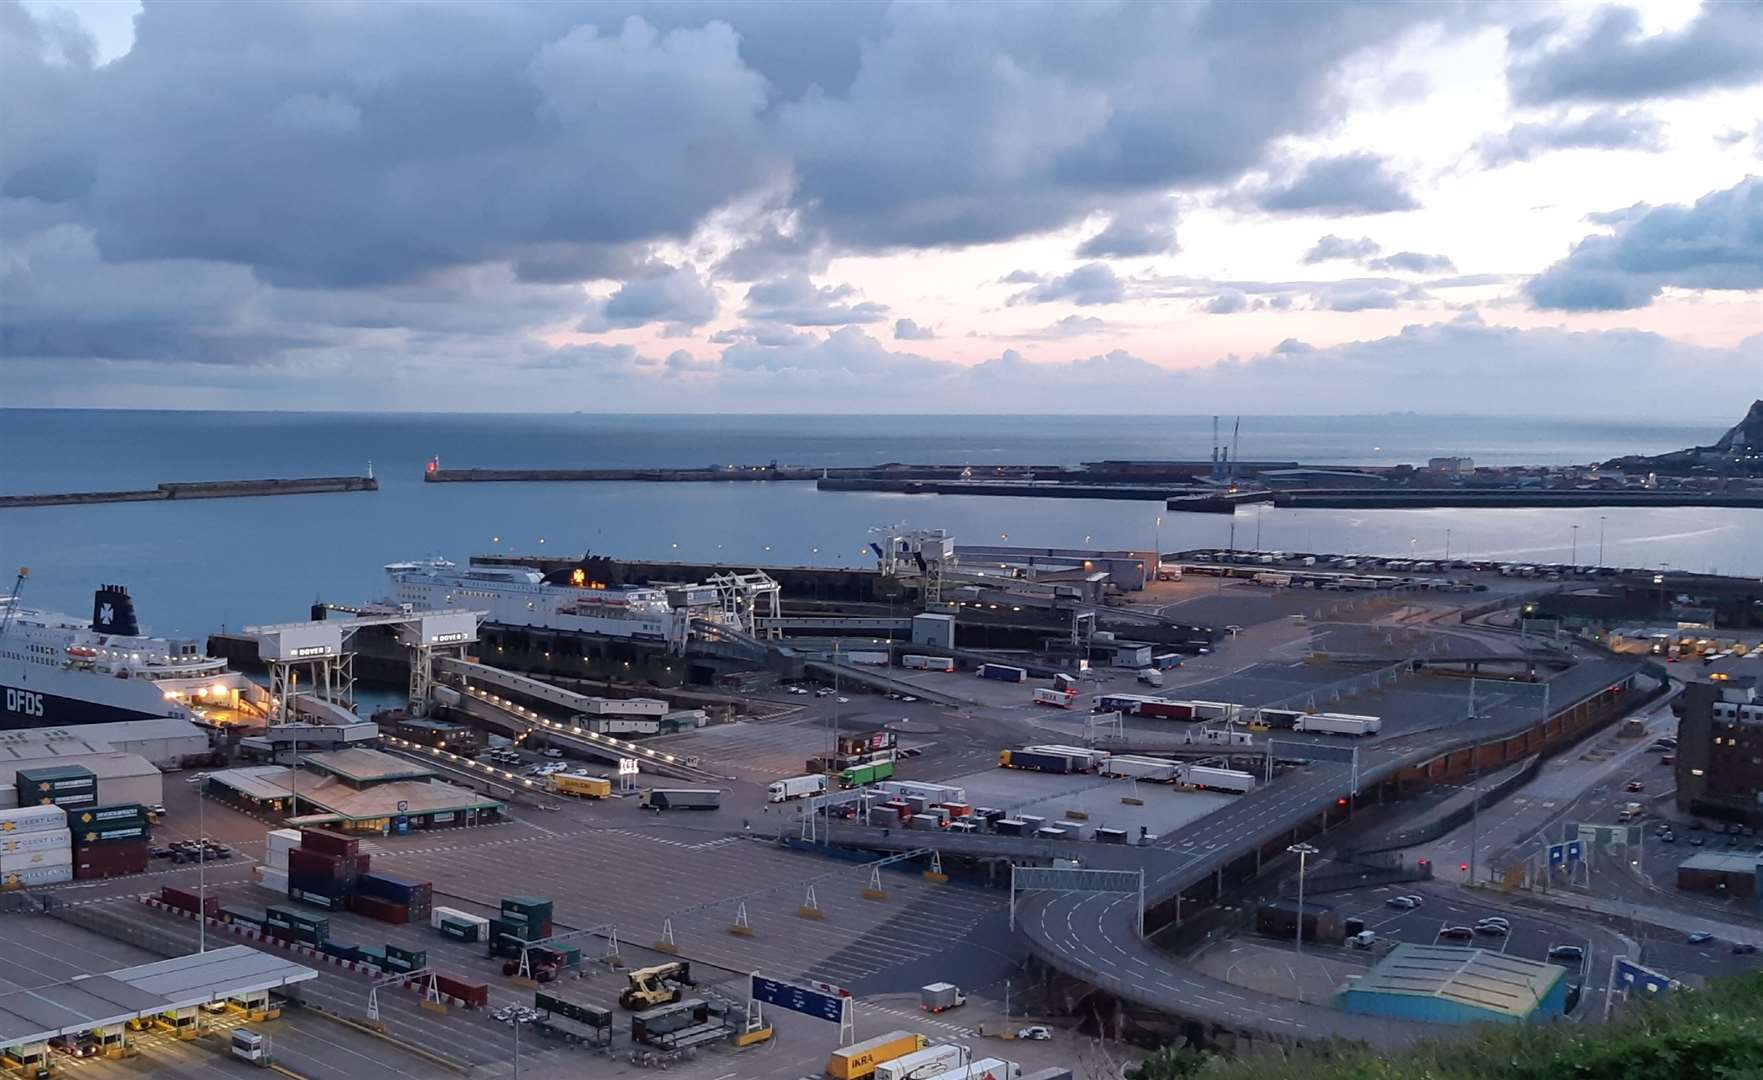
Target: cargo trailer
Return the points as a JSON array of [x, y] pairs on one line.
[[1157, 709], [582, 787], [1279, 718], [1213, 710], [1028, 759], [1086, 757], [943, 793], [932, 1061], [857, 1061], [1008, 826], [796, 787], [1002, 673], [859, 775], [1061, 699], [928, 663], [1110, 836], [1160, 770], [1211, 778], [1124, 703], [659, 799], [869, 659], [1331, 724]]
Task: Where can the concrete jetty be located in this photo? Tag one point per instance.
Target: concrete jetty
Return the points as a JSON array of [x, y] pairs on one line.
[[199, 489]]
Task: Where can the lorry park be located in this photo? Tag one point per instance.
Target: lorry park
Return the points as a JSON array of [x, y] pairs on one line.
[[861, 836]]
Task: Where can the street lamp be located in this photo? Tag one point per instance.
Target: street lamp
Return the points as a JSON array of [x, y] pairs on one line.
[[1573, 559], [1302, 851], [1600, 541], [1447, 545], [201, 870]]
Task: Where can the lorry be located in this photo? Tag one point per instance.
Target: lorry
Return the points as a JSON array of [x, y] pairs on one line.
[[871, 659], [1158, 709], [1150, 676], [1061, 699], [867, 773], [796, 787], [857, 1061], [1336, 724], [1002, 673], [987, 1069], [924, 1064], [1036, 761], [1272, 580], [1214, 710], [1212, 778], [659, 799], [928, 663], [1083, 757], [1140, 768], [582, 787], [1062, 681], [938, 996]]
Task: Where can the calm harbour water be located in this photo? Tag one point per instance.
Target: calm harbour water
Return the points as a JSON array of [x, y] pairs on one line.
[[195, 566]]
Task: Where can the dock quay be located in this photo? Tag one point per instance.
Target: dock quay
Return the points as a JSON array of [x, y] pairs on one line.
[[200, 489], [1499, 498], [771, 471]]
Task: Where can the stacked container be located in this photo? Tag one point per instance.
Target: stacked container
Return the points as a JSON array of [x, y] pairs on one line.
[[34, 846], [392, 899], [530, 913], [323, 869], [400, 961], [277, 844], [296, 924], [459, 925], [66, 786], [109, 840]]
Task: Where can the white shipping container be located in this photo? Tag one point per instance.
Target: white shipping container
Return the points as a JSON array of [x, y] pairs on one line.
[[1140, 768], [276, 860], [38, 875], [12, 843], [928, 663], [32, 819], [272, 879], [8, 797], [986, 1069], [439, 913], [24, 860], [282, 839], [937, 793], [1218, 779]]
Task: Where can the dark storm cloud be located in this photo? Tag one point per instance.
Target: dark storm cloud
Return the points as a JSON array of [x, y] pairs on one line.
[[1360, 183], [1339, 247], [1715, 244], [1604, 129], [1615, 60], [797, 301]]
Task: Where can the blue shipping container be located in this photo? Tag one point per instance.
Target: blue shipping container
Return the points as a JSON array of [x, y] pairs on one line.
[[387, 887], [1002, 672]]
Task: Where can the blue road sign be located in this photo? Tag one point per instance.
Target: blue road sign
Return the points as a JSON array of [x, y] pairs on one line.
[[1557, 854], [1575, 850], [828, 1007], [1631, 976]]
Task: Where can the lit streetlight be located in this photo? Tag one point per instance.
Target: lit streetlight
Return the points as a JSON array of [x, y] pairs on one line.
[[1303, 852]]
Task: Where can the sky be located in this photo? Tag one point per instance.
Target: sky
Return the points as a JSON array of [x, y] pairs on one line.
[[1277, 207]]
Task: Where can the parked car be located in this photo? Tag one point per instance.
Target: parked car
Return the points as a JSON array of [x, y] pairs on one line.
[[1457, 933], [1496, 929], [1744, 948], [1572, 954], [156, 810], [1635, 785], [1401, 903], [1701, 937], [1417, 899], [553, 752], [1037, 1032]]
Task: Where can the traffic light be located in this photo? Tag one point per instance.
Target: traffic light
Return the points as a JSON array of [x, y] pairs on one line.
[[1463, 866], [1341, 801]]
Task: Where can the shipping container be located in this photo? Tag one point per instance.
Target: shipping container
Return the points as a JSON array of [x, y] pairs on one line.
[[1214, 710], [396, 889], [110, 860], [680, 799], [405, 960], [1141, 768], [386, 911], [316, 898], [117, 814], [1122, 703], [459, 930], [1002, 673], [1110, 836], [1059, 699], [1157, 709], [1168, 661], [184, 900], [37, 875], [30, 819], [282, 839], [859, 775], [941, 793], [241, 917], [928, 663], [272, 879], [1337, 724], [15, 843], [329, 842], [859, 1060], [924, 1064], [111, 834], [305, 862], [570, 1007], [1008, 826], [437, 913], [1037, 762], [55, 856], [474, 994], [340, 950]]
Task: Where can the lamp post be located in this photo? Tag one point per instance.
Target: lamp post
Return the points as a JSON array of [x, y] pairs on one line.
[[1302, 851], [1600, 541], [1447, 545], [201, 870], [1573, 559]]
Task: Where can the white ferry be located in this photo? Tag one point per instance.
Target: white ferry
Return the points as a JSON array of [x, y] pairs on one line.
[[519, 596]]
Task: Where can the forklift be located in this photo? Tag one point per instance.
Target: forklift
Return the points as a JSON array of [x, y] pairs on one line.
[[658, 985]]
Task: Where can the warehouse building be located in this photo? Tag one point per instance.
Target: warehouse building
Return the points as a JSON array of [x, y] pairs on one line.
[[355, 790], [168, 742], [1720, 873], [1444, 984], [122, 778]]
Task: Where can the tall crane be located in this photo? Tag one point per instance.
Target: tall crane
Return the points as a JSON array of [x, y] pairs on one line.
[[12, 605]]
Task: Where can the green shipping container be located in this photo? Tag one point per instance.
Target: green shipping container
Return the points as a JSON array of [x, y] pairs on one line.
[[458, 931], [859, 775]]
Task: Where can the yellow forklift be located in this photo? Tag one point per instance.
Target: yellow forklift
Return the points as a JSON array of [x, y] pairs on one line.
[[658, 985]]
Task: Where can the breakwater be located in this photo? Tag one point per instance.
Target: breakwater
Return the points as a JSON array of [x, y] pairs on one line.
[[199, 489], [729, 474], [1505, 498], [1037, 489]]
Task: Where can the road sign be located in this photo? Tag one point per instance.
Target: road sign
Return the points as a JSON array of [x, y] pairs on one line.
[[1575, 851], [627, 766], [1557, 855], [828, 1007], [403, 806], [1632, 976]]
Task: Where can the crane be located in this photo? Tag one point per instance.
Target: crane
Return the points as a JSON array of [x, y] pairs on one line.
[[12, 601]]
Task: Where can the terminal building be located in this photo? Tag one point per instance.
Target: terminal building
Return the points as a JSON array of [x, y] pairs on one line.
[[355, 790], [1720, 749], [1447, 984]]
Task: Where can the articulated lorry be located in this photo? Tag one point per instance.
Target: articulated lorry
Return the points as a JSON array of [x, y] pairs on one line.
[[659, 799], [796, 787]]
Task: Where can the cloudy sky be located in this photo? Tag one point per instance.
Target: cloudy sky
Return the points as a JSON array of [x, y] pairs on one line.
[[853, 207]]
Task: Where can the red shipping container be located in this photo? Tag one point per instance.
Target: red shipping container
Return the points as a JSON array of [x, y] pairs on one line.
[[329, 842], [335, 868], [187, 901], [109, 860], [363, 864], [475, 994], [383, 910]]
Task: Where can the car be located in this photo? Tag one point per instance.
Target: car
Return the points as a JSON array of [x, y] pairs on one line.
[[1744, 948], [1036, 1032], [798, 690], [83, 1045], [1494, 920], [1700, 937], [1496, 929], [825, 691], [156, 810], [843, 700], [1668, 838], [1457, 933], [196, 778], [1567, 953], [1695, 841], [161, 853], [1634, 785], [1401, 903], [907, 698], [216, 1007], [1417, 899], [1668, 759], [553, 752]]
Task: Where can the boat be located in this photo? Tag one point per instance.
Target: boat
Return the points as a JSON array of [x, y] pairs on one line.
[[59, 670], [521, 596]]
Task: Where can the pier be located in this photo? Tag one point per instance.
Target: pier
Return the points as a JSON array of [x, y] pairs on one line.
[[199, 489]]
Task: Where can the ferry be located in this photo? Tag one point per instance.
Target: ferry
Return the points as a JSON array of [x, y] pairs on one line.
[[59, 670], [520, 596]]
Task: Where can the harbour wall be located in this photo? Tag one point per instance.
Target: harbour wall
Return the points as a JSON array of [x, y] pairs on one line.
[[202, 489]]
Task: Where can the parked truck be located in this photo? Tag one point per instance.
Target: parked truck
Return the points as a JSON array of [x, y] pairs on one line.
[[1336, 724], [584, 787], [1140, 768], [659, 799], [1151, 676], [1003, 673], [857, 1061], [928, 663], [1158, 709], [1082, 757], [871, 659], [1037, 761], [1272, 580], [796, 787], [1122, 703], [938, 996], [926, 1064], [867, 773], [1211, 778], [1059, 699]]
